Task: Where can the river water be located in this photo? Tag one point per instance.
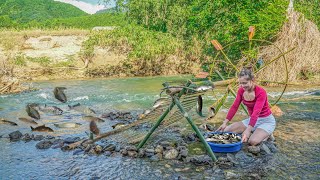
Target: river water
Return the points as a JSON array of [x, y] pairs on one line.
[[297, 134]]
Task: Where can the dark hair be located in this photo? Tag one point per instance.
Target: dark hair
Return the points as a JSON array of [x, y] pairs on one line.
[[246, 71]]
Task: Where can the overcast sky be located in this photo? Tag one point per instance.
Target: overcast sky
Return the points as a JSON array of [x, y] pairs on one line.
[[88, 6]]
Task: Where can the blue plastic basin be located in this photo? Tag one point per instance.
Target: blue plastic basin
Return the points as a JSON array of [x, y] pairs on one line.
[[224, 148]]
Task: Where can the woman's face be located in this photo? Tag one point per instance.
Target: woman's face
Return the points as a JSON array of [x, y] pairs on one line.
[[245, 83]]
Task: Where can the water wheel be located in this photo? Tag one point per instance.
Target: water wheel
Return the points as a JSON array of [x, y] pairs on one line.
[[230, 58]]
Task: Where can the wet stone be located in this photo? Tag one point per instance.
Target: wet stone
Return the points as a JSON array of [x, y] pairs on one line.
[[26, 137], [98, 149], [184, 153], [50, 137], [107, 153], [232, 158], [243, 159], [141, 153], [131, 148], [110, 147], [165, 144], [38, 137], [44, 144], [133, 154], [15, 136], [231, 175], [264, 149], [124, 152], [171, 154], [158, 149], [254, 149], [156, 157], [78, 152], [271, 147], [71, 140], [118, 148], [201, 160]]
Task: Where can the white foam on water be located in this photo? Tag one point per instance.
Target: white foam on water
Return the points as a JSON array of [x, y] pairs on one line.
[[81, 98], [291, 93], [44, 95]]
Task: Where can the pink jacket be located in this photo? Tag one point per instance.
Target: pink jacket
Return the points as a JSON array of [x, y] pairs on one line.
[[259, 107]]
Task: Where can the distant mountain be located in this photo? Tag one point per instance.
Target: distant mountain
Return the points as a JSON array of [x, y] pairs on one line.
[[88, 6], [23, 11], [109, 10]]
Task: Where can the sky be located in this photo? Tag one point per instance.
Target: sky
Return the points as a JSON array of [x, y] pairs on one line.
[[88, 6]]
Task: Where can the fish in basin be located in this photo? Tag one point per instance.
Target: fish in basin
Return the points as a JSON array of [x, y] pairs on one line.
[[223, 138]]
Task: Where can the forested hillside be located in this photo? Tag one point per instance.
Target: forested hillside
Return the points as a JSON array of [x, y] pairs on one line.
[[14, 13]]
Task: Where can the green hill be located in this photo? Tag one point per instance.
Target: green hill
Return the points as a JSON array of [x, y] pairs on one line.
[[15, 12]]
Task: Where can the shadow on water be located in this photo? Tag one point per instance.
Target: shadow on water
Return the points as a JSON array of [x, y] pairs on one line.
[[297, 134]]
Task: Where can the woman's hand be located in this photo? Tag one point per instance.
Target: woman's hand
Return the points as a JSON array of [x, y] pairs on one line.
[[246, 134], [223, 126]]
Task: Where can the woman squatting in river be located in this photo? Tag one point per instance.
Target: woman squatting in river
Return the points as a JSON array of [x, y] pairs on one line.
[[261, 121]]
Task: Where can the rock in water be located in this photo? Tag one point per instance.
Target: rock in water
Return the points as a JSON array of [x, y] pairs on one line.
[[59, 94], [32, 112]]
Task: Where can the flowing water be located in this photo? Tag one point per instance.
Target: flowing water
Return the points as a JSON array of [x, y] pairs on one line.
[[297, 134]]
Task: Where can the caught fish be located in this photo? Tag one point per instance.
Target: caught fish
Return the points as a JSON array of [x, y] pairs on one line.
[[199, 106], [92, 118], [26, 120], [83, 109], [32, 111], [42, 128], [118, 125], [51, 109], [59, 94], [3, 121], [160, 102], [67, 125], [94, 128], [224, 138]]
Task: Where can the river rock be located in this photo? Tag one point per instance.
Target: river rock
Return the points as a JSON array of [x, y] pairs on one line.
[[78, 152], [159, 149], [15, 136], [156, 157], [141, 153], [165, 144], [44, 144], [111, 147], [131, 148], [254, 149], [124, 152], [133, 154], [271, 147], [50, 137], [26, 137], [107, 153], [243, 158], [171, 154], [38, 137], [232, 158], [71, 140], [231, 175], [264, 149], [183, 153], [98, 149], [200, 160]]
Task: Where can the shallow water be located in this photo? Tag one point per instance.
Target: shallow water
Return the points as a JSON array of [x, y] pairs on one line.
[[297, 133]]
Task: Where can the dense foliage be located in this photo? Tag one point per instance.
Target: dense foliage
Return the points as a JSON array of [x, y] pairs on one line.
[[16, 12], [310, 8]]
